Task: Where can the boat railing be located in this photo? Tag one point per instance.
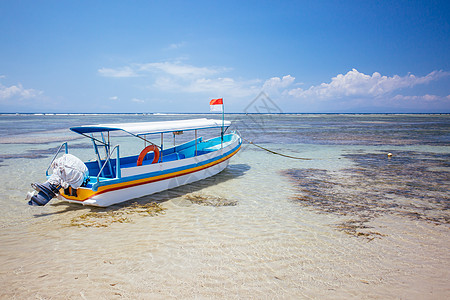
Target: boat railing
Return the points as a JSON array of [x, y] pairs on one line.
[[118, 172], [54, 157]]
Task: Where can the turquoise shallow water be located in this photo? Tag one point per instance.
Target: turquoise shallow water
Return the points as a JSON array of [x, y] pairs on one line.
[[348, 223]]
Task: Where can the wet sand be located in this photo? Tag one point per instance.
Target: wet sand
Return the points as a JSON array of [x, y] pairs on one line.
[[261, 246], [350, 223]]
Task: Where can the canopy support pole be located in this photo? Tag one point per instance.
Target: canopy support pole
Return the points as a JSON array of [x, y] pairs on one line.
[[99, 159], [162, 141], [223, 124], [195, 142]]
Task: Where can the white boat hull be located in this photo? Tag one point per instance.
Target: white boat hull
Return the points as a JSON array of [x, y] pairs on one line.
[[114, 197], [139, 181]]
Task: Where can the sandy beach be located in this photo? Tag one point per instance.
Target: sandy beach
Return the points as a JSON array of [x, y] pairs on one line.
[[245, 233]]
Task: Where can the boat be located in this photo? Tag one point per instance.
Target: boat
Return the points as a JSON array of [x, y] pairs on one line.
[[112, 179]]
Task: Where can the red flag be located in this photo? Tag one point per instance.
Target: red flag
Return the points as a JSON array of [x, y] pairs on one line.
[[216, 104], [216, 101]]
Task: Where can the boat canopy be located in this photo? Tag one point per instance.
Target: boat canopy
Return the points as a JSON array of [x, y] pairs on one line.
[[143, 128]]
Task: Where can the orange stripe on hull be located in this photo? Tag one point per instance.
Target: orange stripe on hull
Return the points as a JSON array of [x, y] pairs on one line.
[[85, 193]]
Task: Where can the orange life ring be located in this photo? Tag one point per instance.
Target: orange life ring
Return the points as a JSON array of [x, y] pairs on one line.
[[144, 153]]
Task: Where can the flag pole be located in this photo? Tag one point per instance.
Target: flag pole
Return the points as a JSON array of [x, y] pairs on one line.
[[223, 121]]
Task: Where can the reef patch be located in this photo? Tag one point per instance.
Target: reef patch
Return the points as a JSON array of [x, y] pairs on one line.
[[209, 200], [124, 214], [410, 184]]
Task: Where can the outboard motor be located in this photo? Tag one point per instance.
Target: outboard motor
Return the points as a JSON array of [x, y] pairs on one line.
[[46, 192], [68, 170]]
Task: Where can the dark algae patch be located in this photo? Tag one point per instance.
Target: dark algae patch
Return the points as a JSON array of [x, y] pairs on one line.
[[108, 216], [411, 184], [209, 200]]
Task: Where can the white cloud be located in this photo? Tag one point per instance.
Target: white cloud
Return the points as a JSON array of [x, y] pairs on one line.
[[119, 73], [176, 69], [421, 98], [277, 82], [355, 83], [353, 89], [179, 70], [176, 46], [224, 86], [137, 100], [114, 98], [17, 91], [204, 84], [176, 76], [166, 83], [276, 85]]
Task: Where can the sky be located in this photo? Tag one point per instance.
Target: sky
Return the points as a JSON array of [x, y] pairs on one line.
[[175, 56]]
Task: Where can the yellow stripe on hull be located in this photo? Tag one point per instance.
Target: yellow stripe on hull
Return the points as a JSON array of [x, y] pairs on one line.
[[86, 193]]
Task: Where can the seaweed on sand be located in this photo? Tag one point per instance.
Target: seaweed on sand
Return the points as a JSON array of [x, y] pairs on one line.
[[209, 200], [411, 184], [122, 215], [358, 228]]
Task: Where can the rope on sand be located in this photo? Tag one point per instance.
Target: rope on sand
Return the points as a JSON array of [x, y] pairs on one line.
[[273, 152]]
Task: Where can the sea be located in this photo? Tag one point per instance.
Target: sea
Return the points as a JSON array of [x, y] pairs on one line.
[[314, 206]]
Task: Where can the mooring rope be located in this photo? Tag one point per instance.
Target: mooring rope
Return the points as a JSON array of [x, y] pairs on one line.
[[271, 151]]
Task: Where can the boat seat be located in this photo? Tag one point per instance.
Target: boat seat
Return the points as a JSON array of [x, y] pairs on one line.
[[93, 180], [165, 158], [216, 147], [173, 156]]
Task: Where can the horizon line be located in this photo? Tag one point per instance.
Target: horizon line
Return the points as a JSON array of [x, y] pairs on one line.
[[228, 113]]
